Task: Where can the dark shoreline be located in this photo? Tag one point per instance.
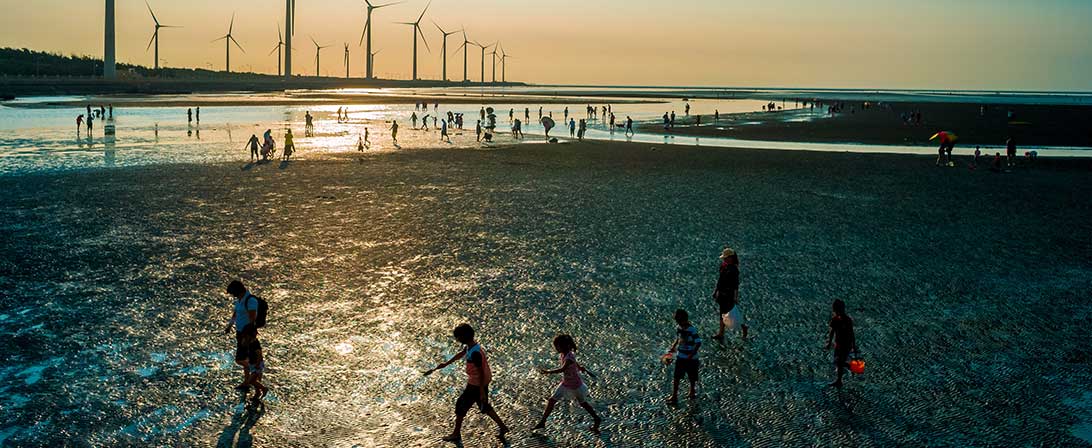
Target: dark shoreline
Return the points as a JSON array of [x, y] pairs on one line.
[[1032, 125]]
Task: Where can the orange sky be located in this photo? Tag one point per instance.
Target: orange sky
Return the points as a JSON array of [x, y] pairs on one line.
[[973, 44]]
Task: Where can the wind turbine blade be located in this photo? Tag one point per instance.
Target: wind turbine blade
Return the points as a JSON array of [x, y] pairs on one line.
[[237, 44], [438, 27], [152, 40], [220, 39], [232, 25], [386, 5], [423, 13], [313, 40], [423, 40], [363, 33], [279, 37], [152, 13]]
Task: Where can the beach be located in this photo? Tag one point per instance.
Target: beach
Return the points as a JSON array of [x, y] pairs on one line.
[[968, 288]]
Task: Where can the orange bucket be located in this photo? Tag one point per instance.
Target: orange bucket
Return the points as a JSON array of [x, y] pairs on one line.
[[856, 366]]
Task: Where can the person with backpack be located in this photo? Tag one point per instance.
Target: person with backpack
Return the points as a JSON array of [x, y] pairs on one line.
[[247, 316]]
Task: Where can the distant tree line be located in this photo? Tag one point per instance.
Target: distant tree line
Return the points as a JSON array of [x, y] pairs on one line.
[[24, 62]]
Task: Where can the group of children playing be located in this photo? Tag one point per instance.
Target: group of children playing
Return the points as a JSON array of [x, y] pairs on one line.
[[683, 352]]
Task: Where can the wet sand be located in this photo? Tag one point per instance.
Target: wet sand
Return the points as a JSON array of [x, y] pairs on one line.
[[969, 291], [1038, 125]]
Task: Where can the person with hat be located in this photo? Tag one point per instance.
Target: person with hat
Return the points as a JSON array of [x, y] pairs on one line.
[[727, 295]]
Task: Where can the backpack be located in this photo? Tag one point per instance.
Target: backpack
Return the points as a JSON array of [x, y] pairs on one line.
[[263, 309]]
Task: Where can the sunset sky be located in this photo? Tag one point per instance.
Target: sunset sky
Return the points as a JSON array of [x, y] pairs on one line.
[[964, 44]]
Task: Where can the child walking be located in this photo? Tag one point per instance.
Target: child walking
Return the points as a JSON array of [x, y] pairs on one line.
[[255, 365], [845, 342], [572, 387], [687, 343], [478, 377]]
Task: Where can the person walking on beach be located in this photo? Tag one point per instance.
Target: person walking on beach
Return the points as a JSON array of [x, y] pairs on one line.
[[517, 129], [481, 114], [88, 111], [583, 127], [478, 131], [572, 127], [527, 113], [424, 122], [478, 377], [443, 131], [611, 123], [843, 339], [716, 115], [90, 125], [685, 348], [1010, 151], [629, 126], [289, 145], [726, 295], [539, 111], [198, 114], [253, 144], [366, 142], [566, 113], [360, 143], [572, 386], [189, 116], [79, 125], [687, 109], [394, 132], [413, 120], [667, 122], [244, 318]]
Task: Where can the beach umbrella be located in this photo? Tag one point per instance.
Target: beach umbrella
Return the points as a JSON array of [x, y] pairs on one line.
[[547, 123], [944, 136]]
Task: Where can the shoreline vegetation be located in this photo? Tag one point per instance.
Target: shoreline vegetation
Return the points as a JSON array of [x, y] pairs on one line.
[[25, 72]]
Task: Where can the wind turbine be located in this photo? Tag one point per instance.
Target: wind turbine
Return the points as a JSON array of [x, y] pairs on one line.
[[444, 47], [465, 47], [280, 45], [346, 61], [318, 52], [109, 50], [228, 40], [289, 31], [371, 57], [366, 35], [483, 47], [155, 35], [504, 65], [493, 56], [417, 30]]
